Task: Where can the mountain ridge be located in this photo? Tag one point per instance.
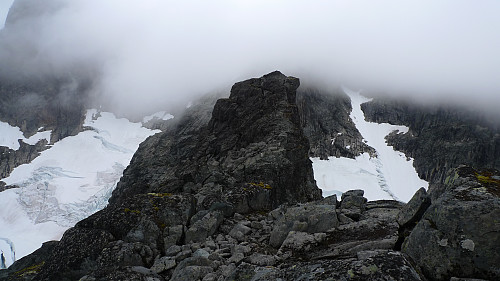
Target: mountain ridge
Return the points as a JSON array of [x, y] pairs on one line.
[[203, 222]]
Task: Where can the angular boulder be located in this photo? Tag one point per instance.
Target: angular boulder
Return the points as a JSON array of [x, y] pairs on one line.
[[458, 235]]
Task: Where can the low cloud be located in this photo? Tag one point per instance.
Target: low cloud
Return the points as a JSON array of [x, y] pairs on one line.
[[143, 54]]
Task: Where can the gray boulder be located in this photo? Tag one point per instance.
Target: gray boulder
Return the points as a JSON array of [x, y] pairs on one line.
[[194, 268], [353, 204], [172, 235], [163, 264], [204, 227], [458, 234], [308, 217]]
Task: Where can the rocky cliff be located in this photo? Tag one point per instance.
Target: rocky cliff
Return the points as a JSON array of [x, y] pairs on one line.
[[228, 194], [58, 106], [34, 93], [439, 137], [326, 122]]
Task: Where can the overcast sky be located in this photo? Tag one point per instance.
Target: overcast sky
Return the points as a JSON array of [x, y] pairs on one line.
[[151, 51]]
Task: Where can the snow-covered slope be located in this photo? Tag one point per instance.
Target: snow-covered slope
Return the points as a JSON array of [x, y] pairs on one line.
[[390, 175], [66, 183]]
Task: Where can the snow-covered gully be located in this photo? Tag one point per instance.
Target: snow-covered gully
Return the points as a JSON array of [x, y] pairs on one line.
[[389, 175]]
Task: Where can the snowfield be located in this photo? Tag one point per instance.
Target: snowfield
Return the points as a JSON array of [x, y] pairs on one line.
[[390, 175], [66, 183]]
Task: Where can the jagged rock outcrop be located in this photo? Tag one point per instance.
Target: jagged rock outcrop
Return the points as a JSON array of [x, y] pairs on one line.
[[252, 153], [439, 137], [458, 233], [326, 122]]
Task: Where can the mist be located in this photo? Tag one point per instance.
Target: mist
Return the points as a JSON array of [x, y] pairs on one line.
[[152, 54]]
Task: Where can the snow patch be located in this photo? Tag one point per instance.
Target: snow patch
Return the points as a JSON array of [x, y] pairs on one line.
[[66, 183], [10, 136], [162, 115]]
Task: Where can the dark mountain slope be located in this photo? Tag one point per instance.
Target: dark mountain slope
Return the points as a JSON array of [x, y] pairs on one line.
[[439, 137], [325, 116]]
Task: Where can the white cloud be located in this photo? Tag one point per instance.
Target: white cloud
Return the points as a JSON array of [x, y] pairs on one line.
[[156, 51]]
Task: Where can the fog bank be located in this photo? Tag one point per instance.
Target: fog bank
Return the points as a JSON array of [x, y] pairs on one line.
[[142, 54]]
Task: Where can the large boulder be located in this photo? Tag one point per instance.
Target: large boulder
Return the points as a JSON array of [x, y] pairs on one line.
[[457, 235], [310, 218]]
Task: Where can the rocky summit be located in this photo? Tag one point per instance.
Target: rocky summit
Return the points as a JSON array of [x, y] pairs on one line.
[[252, 153], [229, 194]]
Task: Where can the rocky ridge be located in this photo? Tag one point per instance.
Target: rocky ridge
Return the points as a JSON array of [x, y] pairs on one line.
[[260, 148], [234, 226]]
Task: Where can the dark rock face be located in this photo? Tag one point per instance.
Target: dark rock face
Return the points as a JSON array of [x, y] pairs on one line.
[[458, 235], [251, 154], [33, 92], [55, 106], [439, 138], [327, 124], [28, 267], [9, 158]]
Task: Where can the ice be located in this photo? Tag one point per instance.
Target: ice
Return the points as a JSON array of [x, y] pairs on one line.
[[337, 175], [67, 182], [389, 175]]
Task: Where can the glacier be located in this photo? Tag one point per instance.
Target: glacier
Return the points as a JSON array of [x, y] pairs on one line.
[[390, 175], [68, 182]]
